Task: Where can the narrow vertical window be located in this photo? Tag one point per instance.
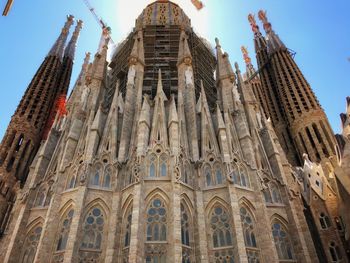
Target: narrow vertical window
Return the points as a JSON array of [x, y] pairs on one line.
[[107, 178], [152, 166], [163, 165], [249, 235], [186, 234], [95, 177], [208, 176], [71, 182], [63, 234], [324, 221], [335, 252], [127, 235], [218, 176]]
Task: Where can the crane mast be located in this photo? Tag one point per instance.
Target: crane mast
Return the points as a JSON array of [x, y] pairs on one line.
[[106, 29]]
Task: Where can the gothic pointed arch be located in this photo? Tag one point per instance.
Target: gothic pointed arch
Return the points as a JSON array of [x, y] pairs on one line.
[[93, 231], [66, 217], [31, 240], [187, 229], [126, 228], [248, 220], [156, 235], [281, 238], [221, 230]]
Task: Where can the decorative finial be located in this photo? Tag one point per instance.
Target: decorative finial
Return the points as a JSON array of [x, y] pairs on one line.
[[252, 23], [245, 55], [236, 66], [217, 42], [263, 19]]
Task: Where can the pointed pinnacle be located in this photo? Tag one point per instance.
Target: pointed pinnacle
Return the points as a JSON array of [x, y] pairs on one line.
[[160, 91], [70, 49], [58, 47]]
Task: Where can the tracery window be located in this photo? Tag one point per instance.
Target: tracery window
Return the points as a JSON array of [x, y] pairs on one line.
[[93, 226], [240, 177], [221, 230], [101, 178], [335, 252], [95, 176], [249, 235], [63, 236], [325, 221], [282, 241], [272, 194], [40, 197], [186, 174], [64, 232], [156, 232], [276, 197], [186, 234], [158, 165], [213, 176], [31, 244]]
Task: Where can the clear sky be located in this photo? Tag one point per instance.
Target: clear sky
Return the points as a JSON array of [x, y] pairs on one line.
[[319, 32]]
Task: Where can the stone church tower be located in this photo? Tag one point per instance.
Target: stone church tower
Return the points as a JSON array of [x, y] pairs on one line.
[[158, 160], [300, 123], [32, 118], [305, 136]]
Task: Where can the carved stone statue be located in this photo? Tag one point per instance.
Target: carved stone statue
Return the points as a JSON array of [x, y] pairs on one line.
[[188, 76], [236, 95], [131, 75], [84, 97], [258, 118]]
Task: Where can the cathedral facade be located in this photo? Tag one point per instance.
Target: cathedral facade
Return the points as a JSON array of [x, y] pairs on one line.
[[169, 154]]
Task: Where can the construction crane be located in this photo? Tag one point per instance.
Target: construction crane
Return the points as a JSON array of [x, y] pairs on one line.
[[7, 7], [106, 29]]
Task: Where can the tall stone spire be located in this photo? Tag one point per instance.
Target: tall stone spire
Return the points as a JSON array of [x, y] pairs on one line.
[[225, 78], [72, 44], [269, 95], [274, 43], [248, 62], [24, 133], [64, 77], [300, 123], [224, 69], [184, 55], [58, 48]]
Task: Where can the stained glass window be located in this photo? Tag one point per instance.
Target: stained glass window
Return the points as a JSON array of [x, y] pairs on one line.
[[156, 221], [248, 227], [90, 247], [64, 231], [282, 241], [221, 228], [31, 244], [93, 229], [156, 232]]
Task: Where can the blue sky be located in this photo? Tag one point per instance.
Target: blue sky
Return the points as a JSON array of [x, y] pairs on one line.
[[319, 32]]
